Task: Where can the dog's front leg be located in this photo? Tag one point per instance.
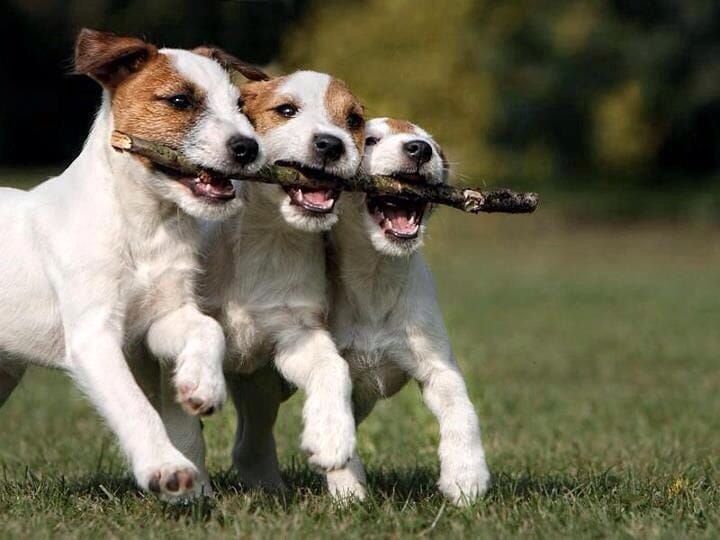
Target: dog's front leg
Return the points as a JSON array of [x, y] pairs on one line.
[[307, 357], [350, 481], [96, 361], [464, 475], [185, 431], [195, 343]]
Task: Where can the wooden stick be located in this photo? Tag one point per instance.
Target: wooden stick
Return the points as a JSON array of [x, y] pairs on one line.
[[468, 200]]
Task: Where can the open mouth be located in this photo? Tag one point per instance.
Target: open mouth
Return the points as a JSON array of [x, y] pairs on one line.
[[398, 218], [208, 185], [315, 201]]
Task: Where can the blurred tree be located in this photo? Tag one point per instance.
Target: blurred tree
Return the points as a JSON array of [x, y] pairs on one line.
[[40, 101], [408, 59], [539, 88], [544, 89]]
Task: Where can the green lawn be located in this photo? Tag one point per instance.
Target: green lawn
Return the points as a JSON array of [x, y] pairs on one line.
[[592, 353]]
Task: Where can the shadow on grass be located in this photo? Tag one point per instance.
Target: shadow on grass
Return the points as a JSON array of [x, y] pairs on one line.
[[394, 486]]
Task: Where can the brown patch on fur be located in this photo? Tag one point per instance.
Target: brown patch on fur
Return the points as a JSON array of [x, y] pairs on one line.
[[399, 126], [232, 63], [139, 108], [109, 58], [259, 99], [341, 103]]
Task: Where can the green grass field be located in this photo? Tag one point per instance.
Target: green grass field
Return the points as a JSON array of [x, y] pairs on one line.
[[592, 354]]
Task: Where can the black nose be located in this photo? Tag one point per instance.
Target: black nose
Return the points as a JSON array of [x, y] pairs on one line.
[[418, 151], [244, 149], [329, 147]]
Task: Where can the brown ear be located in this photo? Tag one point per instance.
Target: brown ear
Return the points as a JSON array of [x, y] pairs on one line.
[[231, 63], [109, 58]]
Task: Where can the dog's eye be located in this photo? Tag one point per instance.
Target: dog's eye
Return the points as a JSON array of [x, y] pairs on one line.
[[179, 101], [370, 141], [354, 121], [288, 110], [240, 103]]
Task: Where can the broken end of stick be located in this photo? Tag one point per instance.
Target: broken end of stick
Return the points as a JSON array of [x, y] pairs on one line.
[[120, 141], [473, 201]]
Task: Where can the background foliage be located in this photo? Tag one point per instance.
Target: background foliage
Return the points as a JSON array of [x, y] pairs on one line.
[[565, 93]]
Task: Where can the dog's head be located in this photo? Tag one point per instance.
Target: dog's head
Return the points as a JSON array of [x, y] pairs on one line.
[[312, 122], [404, 151], [182, 99]]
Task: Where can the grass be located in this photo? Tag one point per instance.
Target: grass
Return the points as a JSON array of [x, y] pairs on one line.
[[590, 350]]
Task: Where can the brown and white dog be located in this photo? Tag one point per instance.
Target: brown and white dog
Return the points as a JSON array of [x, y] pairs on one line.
[[100, 261], [384, 314], [265, 276]]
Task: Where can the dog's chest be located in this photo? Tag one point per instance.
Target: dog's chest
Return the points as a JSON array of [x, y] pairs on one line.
[[376, 355], [159, 278], [249, 346], [376, 372], [279, 285]]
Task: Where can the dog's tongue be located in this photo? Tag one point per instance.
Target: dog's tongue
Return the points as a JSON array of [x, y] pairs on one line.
[[401, 220], [318, 198]]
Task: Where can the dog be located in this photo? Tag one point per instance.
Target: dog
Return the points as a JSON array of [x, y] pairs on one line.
[[265, 276], [384, 315], [99, 263]]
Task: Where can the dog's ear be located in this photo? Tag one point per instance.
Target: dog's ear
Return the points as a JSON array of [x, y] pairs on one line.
[[232, 63], [109, 58]]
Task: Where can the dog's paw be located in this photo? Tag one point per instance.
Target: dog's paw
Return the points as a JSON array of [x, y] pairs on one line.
[[465, 483], [173, 481], [252, 477], [344, 486], [329, 435], [200, 385]]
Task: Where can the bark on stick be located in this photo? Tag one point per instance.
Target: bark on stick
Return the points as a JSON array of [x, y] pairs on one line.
[[465, 199]]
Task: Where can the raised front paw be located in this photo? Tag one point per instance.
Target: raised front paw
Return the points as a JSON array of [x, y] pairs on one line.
[[464, 483], [200, 385], [329, 435]]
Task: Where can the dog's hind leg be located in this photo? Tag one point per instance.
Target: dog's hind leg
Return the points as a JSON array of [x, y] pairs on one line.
[[184, 430], [10, 375], [257, 398]]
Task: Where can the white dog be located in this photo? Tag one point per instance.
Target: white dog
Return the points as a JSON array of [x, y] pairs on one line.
[[101, 260], [384, 314], [265, 276]]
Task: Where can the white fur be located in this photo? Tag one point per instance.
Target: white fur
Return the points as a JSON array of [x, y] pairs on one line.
[[265, 282], [206, 144], [293, 141], [101, 260], [387, 324]]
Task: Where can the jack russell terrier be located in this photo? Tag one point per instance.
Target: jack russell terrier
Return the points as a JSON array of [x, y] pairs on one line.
[[100, 261], [265, 277], [384, 315]]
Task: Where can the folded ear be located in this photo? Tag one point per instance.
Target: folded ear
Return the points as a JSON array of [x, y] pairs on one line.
[[232, 63], [109, 58]]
